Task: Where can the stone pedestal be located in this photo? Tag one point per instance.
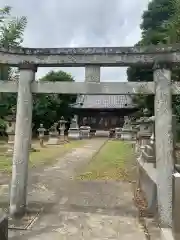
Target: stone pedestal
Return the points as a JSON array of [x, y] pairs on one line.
[[53, 135], [53, 138], [74, 133], [118, 133], [61, 136], [144, 139], [10, 143], [128, 134], [85, 132]]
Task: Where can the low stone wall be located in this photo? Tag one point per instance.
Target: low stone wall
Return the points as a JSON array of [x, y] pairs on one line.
[[149, 188], [147, 182]]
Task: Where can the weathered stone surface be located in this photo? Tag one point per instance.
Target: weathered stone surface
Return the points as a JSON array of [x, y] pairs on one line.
[[107, 56], [22, 142], [164, 144], [129, 88], [93, 50]]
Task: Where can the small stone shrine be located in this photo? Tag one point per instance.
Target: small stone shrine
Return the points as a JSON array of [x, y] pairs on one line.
[[41, 130], [53, 135], [74, 131], [118, 133]]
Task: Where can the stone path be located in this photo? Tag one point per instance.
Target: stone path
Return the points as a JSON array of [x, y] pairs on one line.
[[73, 209]]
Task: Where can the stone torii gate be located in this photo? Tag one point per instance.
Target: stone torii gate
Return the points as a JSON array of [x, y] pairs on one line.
[[28, 59]]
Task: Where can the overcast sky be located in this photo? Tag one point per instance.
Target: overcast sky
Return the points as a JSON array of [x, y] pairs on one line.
[[81, 23]]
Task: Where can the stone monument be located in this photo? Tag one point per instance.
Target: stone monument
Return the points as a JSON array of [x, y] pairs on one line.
[[53, 135], [74, 131], [41, 130]]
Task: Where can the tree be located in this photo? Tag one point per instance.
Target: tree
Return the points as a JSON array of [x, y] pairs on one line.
[[48, 108], [155, 28], [11, 35]]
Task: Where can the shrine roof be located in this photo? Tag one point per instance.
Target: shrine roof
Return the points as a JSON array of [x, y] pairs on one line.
[[104, 101]]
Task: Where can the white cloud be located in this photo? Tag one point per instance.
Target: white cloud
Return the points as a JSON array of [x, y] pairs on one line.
[[81, 23]]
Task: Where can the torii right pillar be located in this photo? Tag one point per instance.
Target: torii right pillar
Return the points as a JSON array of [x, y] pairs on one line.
[[164, 142]]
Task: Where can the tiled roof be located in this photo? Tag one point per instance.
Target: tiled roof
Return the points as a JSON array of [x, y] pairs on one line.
[[104, 101]]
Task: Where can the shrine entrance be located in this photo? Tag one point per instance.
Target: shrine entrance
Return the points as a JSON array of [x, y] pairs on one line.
[[28, 60]]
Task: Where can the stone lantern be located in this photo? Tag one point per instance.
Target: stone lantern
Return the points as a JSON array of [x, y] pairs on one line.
[[127, 132], [62, 122], [41, 130], [145, 128], [10, 130]]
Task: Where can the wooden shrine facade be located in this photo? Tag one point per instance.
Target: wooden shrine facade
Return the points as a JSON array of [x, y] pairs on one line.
[[103, 112]]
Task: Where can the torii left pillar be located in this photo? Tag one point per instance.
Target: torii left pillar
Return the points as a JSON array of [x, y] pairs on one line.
[[18, 193]]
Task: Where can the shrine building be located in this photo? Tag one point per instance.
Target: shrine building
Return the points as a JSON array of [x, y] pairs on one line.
[[103, 112]]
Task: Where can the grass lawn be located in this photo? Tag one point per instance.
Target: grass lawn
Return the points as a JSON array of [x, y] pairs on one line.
[[112, 162], [43, 156]]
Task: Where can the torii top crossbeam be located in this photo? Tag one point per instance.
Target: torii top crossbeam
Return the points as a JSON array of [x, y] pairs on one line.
[[79, 57]]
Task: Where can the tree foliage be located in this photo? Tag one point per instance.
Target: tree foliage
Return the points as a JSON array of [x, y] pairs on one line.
[[11, 35], [48, 108], [160, 25]]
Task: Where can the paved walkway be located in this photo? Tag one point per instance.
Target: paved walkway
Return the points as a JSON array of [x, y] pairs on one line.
[[90, 210]]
